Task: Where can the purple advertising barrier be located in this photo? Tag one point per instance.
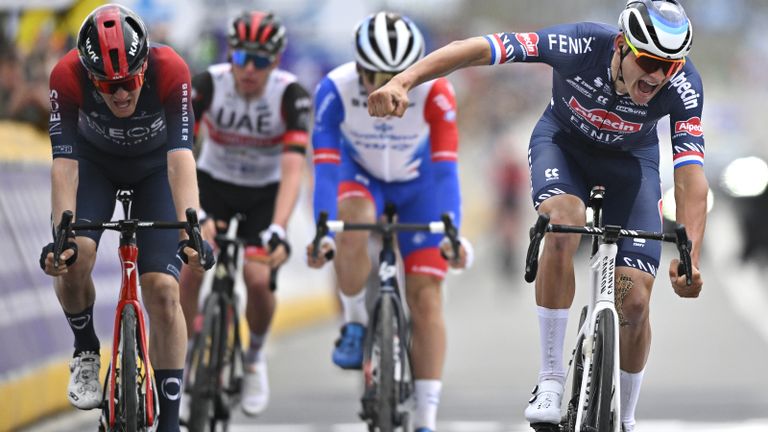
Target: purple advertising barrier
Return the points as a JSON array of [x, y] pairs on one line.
[[33, 330]]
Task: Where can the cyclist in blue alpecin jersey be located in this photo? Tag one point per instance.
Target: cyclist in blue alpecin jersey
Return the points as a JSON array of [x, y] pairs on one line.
[[610, 87], [121, 117], [362, 163]]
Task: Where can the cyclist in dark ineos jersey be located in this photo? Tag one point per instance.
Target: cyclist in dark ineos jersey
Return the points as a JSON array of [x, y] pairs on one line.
[[255, 119], [610, 87], [121, 118]]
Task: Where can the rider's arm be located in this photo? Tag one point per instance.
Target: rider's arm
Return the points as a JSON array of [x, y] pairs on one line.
[[691, 189], [66, 98], [326, 145], [182, 178], [440, 113], [691, 185], [175, 91], [295, 110], [458, 54]]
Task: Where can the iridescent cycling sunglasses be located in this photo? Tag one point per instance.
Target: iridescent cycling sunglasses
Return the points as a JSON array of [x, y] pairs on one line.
[[651, 63]]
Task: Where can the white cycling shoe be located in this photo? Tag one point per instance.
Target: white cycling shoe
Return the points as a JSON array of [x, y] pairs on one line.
[[544, 406], [255, 388], [84, 390]]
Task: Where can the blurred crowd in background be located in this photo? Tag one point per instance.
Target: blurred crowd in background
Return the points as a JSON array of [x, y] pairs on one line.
[[497, 106]]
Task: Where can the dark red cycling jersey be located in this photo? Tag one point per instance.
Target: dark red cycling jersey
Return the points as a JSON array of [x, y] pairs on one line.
[[82, 124]]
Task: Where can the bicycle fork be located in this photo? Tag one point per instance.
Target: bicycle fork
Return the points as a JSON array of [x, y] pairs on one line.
[[601, 297], [129, 298]]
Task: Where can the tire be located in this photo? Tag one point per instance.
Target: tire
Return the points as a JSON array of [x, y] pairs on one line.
[[204, 361], [597, 415], [578, 374], [387, 400], [128, 401]]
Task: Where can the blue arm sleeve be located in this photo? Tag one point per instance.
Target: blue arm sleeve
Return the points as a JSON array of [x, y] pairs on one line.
[[326, 144], [446, 175]]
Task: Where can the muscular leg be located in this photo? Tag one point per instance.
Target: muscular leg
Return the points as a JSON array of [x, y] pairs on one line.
[[189, 292], [75, 289], [428, 346], [167, 343], [261, 304], [555, 287], [633, 293], [168, 338], [259, 311], [555, 282], [353, 264]]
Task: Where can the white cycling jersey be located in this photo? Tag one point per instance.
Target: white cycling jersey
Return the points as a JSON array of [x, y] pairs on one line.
[[245, 138]]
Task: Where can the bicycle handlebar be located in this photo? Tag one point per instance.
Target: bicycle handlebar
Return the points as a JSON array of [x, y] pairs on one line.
[[445, 226], [191, 226], [611, 232]]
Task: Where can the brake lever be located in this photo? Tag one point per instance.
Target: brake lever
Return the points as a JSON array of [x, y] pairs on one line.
[[62, 232], [322, 231], [452, 233], [193, 231], [532, 257], [684, 248]]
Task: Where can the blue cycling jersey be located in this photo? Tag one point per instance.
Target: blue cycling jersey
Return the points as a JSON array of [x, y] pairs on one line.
[[584, 101], [590, 135]]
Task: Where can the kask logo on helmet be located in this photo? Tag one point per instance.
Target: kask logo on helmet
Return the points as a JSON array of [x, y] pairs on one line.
[[692, 126], [134, 44]]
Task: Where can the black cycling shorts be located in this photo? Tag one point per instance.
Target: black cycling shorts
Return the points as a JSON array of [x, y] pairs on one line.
[[222, 200], [152, 201]]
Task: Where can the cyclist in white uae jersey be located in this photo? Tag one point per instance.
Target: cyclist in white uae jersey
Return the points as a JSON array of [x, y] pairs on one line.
[[362, 163], [610, 86], [255, 120]]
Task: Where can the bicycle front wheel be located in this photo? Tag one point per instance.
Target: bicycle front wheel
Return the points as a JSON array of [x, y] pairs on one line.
[[569, 424], [598, 416], [380, 358], [128, 399], [204, 367]]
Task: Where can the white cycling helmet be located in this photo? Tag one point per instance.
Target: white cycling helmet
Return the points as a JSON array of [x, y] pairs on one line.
[[387, 42], [658, 27]]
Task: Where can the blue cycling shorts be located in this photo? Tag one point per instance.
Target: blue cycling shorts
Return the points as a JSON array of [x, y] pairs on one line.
[[561, 163], [415, 202]]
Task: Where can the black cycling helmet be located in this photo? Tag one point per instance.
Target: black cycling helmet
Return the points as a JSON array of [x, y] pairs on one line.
[[257, 31], [112, 43], [387, 42]]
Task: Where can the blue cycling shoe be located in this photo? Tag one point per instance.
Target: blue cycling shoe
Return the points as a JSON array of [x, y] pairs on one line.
[[423, 429], [348, 353]]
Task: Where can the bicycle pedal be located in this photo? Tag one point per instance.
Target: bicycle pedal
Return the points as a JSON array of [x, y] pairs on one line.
[[545, 427]]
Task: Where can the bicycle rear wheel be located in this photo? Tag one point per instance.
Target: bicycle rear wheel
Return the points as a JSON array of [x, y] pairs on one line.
[[204, 367], [128, 400], [598, 416]]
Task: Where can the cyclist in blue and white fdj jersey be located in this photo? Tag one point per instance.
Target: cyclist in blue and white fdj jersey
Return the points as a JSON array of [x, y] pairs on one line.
[[361, 163], [610, 87]]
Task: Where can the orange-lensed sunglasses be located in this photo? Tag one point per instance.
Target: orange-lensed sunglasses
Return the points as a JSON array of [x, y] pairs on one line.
[[651, 63]]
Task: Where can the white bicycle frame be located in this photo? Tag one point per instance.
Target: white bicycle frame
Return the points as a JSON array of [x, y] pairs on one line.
[[601, 297]]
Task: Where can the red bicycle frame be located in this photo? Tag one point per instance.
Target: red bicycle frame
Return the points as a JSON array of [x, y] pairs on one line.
[[129, 298]]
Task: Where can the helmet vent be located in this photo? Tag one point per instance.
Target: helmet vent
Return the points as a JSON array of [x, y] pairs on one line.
[[636, 29], [109, 24], [114, 57]]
